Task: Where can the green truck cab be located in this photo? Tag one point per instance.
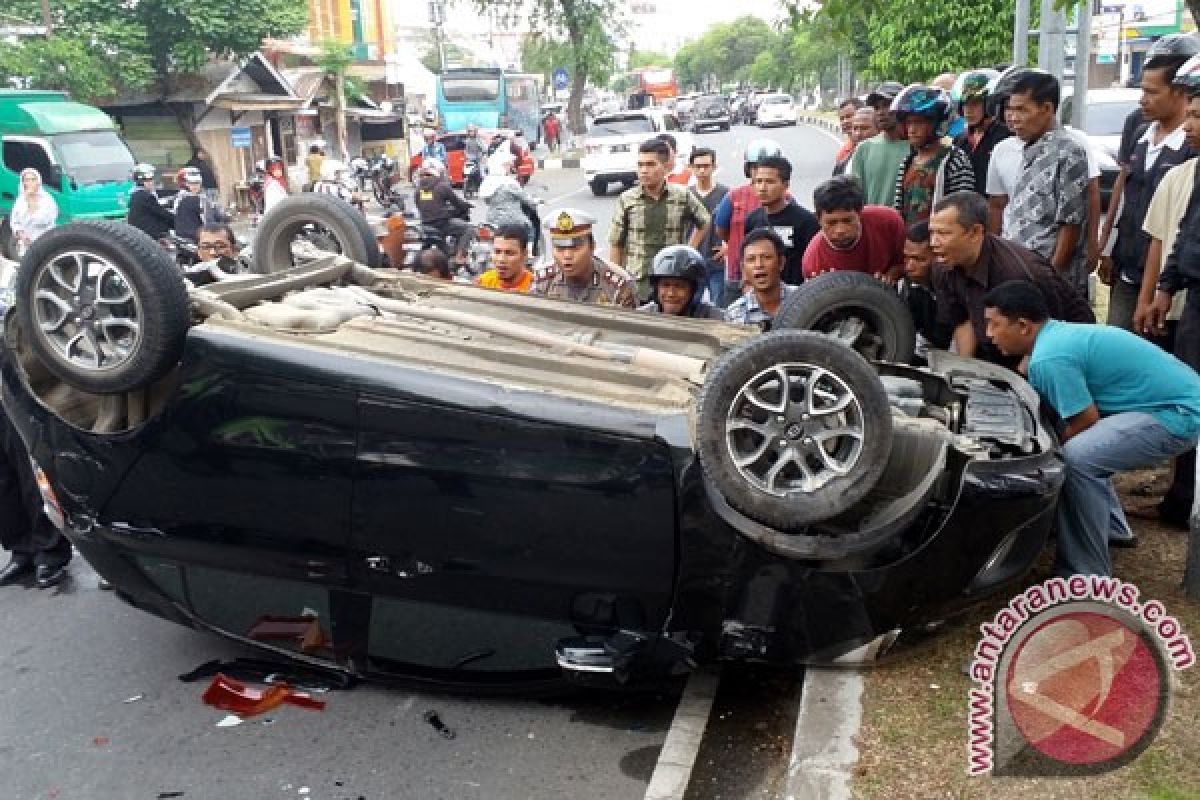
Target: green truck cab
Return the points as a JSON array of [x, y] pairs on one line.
[[82, 159]]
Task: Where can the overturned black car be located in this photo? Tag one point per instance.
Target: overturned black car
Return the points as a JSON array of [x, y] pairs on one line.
[[386, 475]]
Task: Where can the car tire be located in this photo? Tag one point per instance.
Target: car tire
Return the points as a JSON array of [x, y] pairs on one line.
[[861, 310], [815, 455], [338, 223], [133, 320], [599, 188], [8, 242]]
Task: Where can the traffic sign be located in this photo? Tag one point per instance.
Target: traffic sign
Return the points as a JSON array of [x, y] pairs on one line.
[[239, 137], [561, 79]]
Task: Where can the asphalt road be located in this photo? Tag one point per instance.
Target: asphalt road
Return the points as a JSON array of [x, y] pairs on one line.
[[811, 151], [91, 706]]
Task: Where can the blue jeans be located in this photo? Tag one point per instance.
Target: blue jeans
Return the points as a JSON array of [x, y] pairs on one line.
[[1088, 508], [716, 286]]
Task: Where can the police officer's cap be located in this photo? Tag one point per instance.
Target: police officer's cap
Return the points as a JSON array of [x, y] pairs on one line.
[[570, 227]]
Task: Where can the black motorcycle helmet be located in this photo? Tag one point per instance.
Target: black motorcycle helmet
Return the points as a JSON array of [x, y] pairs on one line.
[[683, 262], [1172, 50]]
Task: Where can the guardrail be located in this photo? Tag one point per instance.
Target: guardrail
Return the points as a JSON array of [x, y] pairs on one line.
[[831, 125]]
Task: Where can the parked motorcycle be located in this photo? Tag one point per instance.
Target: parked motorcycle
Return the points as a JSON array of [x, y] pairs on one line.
[[383, 180], [472, 177]]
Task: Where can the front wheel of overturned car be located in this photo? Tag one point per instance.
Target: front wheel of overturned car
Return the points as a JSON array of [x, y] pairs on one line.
[[793, 428], [325, 222], [103, 306], [859, 310]]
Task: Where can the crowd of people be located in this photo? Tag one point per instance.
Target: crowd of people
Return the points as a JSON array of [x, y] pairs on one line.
[[970, 198], [965, 194]]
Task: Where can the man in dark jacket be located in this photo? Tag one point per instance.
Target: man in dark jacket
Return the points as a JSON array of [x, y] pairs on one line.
[[208, 177], [984, 131], [145, 212], [975, 262], [440, 206]]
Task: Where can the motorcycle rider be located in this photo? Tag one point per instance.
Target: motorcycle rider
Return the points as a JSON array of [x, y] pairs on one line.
[[441, 208], [730, 217], [977, 106], [475, 152], [335, 181], [433, 148], [678, 277], [145, 212], [193, 209], [508, 204], [932, 169]]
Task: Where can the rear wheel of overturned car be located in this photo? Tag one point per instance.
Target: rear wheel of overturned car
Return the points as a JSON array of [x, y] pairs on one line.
[[103, 306], [859, 310], [313, 222], [793, 428]]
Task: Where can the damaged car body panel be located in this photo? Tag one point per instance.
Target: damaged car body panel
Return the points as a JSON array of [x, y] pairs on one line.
[[416, 490]]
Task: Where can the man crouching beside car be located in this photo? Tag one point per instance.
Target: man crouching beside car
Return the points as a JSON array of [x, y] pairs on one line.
[[1127, 405], [678, 278]]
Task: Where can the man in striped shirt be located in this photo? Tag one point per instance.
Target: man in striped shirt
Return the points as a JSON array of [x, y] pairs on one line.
[[652, 215]]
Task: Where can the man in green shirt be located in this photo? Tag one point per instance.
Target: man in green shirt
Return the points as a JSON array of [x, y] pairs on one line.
[[877, 160], [652, 215]]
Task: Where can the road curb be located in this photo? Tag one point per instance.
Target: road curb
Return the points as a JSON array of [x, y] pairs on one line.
[[824, 123], [823, 749], [678, 756]]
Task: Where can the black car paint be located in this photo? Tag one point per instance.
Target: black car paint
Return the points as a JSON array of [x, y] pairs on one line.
[[454, 530]]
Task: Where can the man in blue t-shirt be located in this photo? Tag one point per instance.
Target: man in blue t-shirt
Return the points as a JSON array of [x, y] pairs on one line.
[[1126, 403]]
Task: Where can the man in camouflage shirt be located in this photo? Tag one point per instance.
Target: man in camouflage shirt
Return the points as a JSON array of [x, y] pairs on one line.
[[577, 273], [654, 214], [1048, 208]]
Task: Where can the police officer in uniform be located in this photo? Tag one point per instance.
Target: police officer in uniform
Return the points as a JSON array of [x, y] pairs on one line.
[[577, 273]]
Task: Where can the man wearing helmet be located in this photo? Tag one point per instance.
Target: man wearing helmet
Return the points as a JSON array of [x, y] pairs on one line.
[[145, 212], [876, 161], [440, 206], [193, 210], [677, 279], [1161, 145], [983, 131], [1048, 209], [932, 169], [433, 148], [731, 214]]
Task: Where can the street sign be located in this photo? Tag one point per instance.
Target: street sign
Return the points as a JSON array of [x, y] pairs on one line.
[[239, 137], [561, 79]]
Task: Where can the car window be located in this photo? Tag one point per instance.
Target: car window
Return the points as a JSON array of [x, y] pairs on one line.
[[94, 156], [778, 100], [1106, 119], [20, 154], [621, 126], [453, 143]]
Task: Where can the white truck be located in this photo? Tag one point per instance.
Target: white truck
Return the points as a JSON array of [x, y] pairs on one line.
[[610, 150]]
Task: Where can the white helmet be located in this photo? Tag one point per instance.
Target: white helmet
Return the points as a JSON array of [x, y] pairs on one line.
[[432, 166]]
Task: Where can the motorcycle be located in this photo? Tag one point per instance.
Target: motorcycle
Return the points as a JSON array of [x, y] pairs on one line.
[[382, 180]]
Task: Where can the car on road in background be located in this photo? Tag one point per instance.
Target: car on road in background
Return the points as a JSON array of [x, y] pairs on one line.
[[387, 475], [1107, 110], [456, 153], [776, 109], [711, 111], [610, 149]]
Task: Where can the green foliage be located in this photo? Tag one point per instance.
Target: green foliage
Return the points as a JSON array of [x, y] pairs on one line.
[[914, 40], [748, 50], [454, 55], [648, 58], [334, 57], [107, 46]]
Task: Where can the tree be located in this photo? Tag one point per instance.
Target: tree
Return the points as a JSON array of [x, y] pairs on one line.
[[454, 55], [335, 58], [647, 58], [120, 45], [725, 52], [585, 27]]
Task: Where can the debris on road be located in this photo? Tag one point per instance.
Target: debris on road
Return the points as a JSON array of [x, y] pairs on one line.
[[229, 721], [233, 695], [133, 699], [436, 723]]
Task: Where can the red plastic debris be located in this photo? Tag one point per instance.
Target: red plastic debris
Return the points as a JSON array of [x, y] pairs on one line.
[[245, 701], [100, 741]]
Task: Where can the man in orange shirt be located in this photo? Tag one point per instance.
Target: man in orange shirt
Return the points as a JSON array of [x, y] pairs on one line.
[[510, 248], [677, 174]]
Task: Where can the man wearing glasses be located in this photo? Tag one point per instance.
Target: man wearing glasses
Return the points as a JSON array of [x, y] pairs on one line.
[[217, 241]]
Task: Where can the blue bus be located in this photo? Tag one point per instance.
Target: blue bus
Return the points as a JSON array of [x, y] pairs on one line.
[[487, 97], [471, 95]]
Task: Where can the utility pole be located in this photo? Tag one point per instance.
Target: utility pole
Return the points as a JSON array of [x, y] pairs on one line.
[[1052, 40], [437, 15], [1083, 63], [46, 16], [1021, 33]]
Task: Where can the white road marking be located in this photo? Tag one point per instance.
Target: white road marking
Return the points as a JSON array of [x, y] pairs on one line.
[[830, 134], [678, 756], [823, 751]]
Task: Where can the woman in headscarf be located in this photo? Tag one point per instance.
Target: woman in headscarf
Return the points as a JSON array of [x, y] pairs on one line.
[[34, 212]]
